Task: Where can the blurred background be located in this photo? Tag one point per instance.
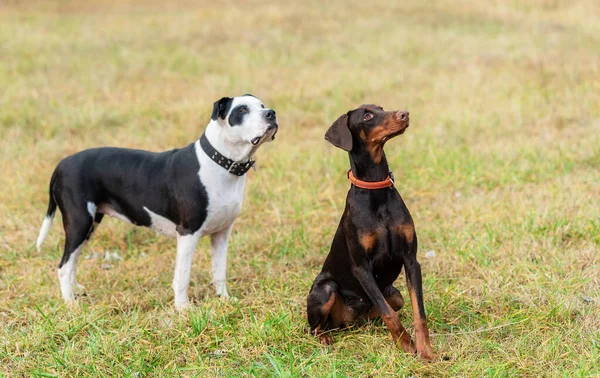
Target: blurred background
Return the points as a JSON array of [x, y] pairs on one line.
[[500, 170]]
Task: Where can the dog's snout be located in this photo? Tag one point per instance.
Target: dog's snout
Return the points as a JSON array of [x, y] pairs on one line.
[[270, 115], [403, 115]]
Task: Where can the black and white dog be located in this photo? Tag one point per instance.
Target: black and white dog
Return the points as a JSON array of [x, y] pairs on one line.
[[185, 193]]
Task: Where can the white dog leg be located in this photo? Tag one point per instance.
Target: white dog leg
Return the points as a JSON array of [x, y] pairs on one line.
[[218, 251], [76, 256], [66, 275], [186, 247]]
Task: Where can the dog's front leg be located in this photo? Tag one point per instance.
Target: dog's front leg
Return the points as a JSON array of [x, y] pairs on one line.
[[415, 289], [186, 247], [218, 252], [387, 313]]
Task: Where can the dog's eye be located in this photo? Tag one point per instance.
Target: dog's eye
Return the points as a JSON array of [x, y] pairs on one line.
[[368, 116], [243, 109]]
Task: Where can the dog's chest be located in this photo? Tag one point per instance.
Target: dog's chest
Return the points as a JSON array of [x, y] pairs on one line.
[[224, 205], [225, 195]]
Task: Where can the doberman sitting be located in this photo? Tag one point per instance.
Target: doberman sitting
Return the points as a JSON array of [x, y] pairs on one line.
[[374, 240]]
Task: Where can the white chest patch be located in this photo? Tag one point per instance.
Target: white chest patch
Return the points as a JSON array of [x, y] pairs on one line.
[[225, 193], [161, 224]]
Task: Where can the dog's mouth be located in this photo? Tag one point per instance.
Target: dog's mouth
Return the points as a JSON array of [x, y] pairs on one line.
[[269, 134], [395, 133], [274, 132]]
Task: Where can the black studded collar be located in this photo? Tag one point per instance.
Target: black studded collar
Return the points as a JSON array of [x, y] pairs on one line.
[[238, 169]]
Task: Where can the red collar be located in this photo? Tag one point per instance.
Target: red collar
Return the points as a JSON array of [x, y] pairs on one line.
[[371, 185]]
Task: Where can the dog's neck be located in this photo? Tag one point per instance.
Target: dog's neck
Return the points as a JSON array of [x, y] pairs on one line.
[[234, 150], [365, 169]]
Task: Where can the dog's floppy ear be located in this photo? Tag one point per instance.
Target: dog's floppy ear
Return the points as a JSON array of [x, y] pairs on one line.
[[221, 108], [339, 134]]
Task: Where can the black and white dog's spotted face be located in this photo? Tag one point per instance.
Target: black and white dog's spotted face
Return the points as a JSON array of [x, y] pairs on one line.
[[245, 120]]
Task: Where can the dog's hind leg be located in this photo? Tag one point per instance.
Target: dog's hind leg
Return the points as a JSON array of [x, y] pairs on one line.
[[392, 297], [79, 224], [97, 219], [319, 305]]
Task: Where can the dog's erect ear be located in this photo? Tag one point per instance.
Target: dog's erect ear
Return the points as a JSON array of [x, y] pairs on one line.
[[339, 134], [221, 108]]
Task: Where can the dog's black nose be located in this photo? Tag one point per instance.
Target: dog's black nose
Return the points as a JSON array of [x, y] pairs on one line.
[[270, 115], [403, 115]]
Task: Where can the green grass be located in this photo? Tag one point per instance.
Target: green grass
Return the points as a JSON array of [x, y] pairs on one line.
[[500, 169]]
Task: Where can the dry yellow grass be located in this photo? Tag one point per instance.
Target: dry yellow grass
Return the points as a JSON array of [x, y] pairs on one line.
[[500, 169]]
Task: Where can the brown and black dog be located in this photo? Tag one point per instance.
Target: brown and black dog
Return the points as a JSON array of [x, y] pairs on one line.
[[374, 240]]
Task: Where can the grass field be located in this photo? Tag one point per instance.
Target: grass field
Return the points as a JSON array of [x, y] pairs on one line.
[[500, 169]]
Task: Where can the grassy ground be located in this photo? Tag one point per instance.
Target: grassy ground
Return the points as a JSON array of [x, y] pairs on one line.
[[500, 170]]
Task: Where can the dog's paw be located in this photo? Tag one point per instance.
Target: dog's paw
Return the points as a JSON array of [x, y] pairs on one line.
[[221, 290], [406, 344], [224, 295], [325, 339], [182, 307], [427, 354]]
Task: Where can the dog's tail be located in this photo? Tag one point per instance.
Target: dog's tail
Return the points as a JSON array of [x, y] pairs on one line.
[[49, 216]]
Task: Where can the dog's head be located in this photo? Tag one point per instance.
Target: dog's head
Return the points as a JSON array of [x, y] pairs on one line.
[[245, 120], [367, 128]]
